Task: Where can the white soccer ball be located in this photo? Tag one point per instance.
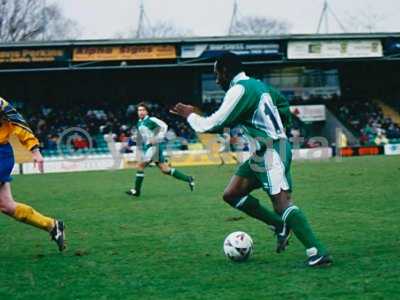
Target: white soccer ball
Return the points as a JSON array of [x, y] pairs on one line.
[[238, 246]]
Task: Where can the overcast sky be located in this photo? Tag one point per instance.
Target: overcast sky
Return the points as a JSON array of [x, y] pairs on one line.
[[99, 19]]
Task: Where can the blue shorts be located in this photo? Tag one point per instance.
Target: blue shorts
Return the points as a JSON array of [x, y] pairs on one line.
[[6, 162]]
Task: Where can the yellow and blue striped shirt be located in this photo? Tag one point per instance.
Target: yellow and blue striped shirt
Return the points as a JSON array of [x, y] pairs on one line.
[[12, 122]]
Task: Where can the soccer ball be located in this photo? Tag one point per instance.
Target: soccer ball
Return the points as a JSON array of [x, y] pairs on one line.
[[238, 246]]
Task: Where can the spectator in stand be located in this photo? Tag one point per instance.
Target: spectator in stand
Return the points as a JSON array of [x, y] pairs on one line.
[[363, 138], [343, 142], [52, 142], [79, 143], [381, 139], [393, 131]]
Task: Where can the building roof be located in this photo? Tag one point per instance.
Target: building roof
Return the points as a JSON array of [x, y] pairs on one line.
[[210, 39]]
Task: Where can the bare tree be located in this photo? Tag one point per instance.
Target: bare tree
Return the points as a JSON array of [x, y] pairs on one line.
[[160, 29], [59, 26], [253, 25], [366, 20], [22, 20], [166, 29]]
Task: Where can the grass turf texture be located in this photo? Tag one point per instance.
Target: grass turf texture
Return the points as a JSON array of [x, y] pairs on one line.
[[168, 243]]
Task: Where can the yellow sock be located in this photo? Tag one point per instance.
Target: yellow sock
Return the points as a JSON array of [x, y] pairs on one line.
[[28, 215]]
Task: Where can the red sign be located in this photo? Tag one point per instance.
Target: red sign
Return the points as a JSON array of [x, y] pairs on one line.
[[361, 151]]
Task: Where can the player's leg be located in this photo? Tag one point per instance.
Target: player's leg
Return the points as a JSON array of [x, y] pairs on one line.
[[277, 182], [296, 220], [22, 212], [139, 177], [8, 206], [167, 170], [26, 214], [237, 195], [144, 158]]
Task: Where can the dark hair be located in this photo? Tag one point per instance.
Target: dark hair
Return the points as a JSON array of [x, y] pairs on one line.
[[145, 105], [231, 62]]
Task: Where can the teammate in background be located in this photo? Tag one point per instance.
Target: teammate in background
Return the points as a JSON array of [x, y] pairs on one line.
[[261, 111], [12, 122], [150, 145]]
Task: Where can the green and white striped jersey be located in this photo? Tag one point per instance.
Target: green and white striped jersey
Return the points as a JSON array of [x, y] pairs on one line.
[[249, 103], [151, 129]]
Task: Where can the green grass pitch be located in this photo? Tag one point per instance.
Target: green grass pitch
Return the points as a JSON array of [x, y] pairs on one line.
[[168, 243]]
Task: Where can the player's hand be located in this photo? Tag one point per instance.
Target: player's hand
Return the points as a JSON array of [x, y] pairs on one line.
[[182, 110], [38, 160]]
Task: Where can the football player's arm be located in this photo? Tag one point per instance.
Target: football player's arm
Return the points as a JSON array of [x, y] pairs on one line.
[[29, 141], [162, 129], [226, 115]]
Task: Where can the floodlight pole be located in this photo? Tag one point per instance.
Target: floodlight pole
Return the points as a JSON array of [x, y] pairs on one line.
[[234, 17], [324, 18], [44, 20], [141, 20]]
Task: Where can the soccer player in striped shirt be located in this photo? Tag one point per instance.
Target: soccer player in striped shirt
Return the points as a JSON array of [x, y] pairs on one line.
[[261, 111], [150, 147], [11, 122]]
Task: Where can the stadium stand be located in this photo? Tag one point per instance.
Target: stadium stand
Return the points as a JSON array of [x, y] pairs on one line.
[[51, 123], [367, 120], [390, 111]]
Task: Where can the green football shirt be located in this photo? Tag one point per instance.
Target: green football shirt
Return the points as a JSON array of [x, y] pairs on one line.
[[249, 103], [151, 130]]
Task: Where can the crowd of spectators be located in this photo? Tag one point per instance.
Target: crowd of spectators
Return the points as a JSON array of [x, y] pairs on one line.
[[368, 121], [364, 117], [50, 123]]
